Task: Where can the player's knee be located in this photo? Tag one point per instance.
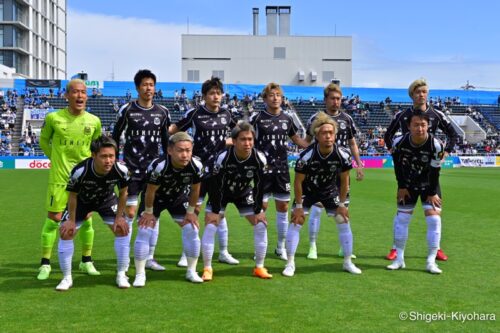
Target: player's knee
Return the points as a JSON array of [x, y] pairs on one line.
[[56, 217], [282, 206], [339, 219], [130, 211], [404, 217], [432, 212]]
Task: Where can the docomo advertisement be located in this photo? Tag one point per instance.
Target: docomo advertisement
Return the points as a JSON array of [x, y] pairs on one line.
[[33, 163]]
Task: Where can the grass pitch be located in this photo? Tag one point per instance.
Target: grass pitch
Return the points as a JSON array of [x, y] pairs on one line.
[[319, 298]]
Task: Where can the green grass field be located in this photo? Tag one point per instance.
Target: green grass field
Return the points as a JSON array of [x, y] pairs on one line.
[[319, 298]]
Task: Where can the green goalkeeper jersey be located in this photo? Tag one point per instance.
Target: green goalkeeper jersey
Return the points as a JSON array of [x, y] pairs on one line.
[[65, 139]]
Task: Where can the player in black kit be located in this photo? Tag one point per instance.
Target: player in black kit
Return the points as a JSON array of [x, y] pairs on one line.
[[419, 92], [346, 137], [210, 126], [146, 130], [173, 184], [273, 127], [236, 176], [316, 173], [91, 188], [417, 161]]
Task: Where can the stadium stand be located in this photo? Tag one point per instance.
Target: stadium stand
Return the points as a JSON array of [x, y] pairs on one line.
[[371, 118]]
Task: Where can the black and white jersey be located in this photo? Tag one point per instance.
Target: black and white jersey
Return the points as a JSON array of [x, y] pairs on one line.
[[322, 171], [209, 130], [146, 130], [437, 119], [231, 178], [346, 128], [93, 189], [417, 167], [272, 133], [174, 183]]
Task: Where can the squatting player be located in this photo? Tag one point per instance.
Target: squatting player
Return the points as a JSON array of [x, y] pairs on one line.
[[419, 92], [273, 127], [65, 139], [173, 184], [316, 173], [146, 128], [91, 188], [236, 176], [210, 125], [417, 161], [345, 137]]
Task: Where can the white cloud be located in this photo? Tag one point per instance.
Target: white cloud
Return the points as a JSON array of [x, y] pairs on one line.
[[98, 43]]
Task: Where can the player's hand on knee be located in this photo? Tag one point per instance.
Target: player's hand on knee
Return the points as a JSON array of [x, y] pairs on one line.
[[342, 215], [120, 227], [435, 201], [191, 218], [261, 217], [147, 220], [403, 194], [68, 230], [298, 216]]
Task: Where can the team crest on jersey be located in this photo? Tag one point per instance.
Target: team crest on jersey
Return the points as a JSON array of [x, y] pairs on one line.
[[249, 174], [300, 164], [87, 130], [333, 168], [157, 121], [223, 121], [284, 126], [250, 199], [186, 180], [342, 125], [425, 158]]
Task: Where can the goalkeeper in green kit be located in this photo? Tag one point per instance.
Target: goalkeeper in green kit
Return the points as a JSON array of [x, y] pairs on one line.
[[65, 138]]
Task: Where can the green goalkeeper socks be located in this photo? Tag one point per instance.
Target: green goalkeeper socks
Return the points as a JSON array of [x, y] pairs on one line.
[[87, 237], [49, 235]]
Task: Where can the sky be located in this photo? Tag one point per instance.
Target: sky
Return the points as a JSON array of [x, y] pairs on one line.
[[394, 41]]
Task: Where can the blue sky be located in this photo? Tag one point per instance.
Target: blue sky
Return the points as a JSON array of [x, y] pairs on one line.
[[394, 42]]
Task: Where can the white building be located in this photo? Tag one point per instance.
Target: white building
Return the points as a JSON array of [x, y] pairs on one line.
[[33, 37], [275, 57]]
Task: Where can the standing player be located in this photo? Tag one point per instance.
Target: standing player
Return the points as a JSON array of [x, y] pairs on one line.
[[417, 161], [236, 176], [146, 129], [210, 125], [170, 179], [316, 178], [91, 188], [419, 92], [65, 139], [345, 137], [272, 130]]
